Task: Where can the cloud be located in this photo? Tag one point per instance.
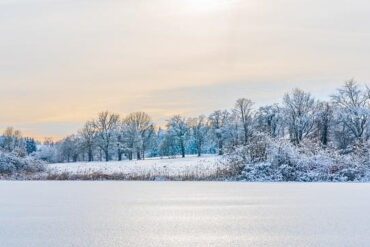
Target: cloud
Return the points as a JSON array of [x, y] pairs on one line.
[[63, 61]]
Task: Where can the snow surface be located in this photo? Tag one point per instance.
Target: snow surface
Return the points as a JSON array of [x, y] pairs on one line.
[[156, 167], [182, 214]]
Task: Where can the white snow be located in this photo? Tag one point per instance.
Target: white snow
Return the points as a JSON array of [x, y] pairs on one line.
[[153, 167]]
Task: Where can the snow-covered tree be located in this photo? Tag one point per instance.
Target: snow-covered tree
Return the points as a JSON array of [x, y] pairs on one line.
[[47, 152], [88, 139], [198, 131], [138, 129], [324, 122], [105, 127], [167, 144], [70, 148], [269, 120], [352, 112], [243, 112], [299, 112], [179, 130], [219, 122], [12, 140], [30, 145]]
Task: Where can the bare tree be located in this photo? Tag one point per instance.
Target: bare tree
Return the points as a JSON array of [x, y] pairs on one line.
[[352, 110], [88, 135], [121, 144], [12, 139], [69, 148], [299, 109], [324, 122], [105, 127], [219, 121], [269, 120], [243, 111], [138, 128]]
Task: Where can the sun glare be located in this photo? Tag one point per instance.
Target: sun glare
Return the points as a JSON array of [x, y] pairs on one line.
[[205, 5]]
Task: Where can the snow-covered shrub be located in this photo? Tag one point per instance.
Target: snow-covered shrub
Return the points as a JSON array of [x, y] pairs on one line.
[[258, 147], [254, 151], [278, 160], [264, 171], [48, 153], [237, 160], [12, 163]]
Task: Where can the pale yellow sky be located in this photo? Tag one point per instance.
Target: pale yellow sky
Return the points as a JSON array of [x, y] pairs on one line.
[[62, 61]]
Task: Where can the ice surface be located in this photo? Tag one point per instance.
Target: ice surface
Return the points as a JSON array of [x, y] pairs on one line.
[[108, 213]]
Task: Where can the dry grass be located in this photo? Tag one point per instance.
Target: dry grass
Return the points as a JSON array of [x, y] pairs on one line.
[[191, 169], [197, 175]]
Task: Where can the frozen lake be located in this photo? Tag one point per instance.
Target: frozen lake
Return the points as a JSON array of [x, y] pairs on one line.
[[98, 214]]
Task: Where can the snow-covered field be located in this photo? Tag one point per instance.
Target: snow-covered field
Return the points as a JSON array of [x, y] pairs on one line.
[[154, 168]]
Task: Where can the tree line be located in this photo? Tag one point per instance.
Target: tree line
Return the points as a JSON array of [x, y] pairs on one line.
[[341, 123]]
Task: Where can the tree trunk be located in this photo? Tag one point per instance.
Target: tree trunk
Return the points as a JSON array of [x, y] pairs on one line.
[[220, 147], [90, 155], [324, 135], [182, 149], [245, 135], [143, 152], [100, 155]]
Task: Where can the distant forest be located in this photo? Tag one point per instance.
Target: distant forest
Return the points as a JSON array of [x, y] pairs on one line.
[[341, 124]]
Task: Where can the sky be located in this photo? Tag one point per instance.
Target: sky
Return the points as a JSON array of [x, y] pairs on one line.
[[63, 61]]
